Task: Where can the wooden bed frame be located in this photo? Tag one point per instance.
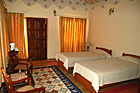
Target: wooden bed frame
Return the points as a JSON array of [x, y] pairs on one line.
[[60, 63], [88, 85]]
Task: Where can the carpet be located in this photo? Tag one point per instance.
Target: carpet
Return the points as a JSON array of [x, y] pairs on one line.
[[53, 80], [53, 63], [121, 88]]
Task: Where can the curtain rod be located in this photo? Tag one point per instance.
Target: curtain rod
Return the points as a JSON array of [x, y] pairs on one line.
[[71, 16], [18, 11]]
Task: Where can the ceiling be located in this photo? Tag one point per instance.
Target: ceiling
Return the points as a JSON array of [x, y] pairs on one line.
[[73, 4]]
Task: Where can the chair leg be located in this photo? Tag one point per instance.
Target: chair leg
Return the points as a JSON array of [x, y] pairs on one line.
[[31, 71]]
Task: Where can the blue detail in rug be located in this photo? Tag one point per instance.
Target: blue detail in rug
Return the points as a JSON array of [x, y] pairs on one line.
[[53, 79]]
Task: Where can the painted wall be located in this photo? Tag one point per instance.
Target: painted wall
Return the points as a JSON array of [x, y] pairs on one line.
[[53, 22], [119, 31]]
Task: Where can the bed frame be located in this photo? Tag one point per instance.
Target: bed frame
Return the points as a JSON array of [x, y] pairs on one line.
[[88, 85], [60, 63]]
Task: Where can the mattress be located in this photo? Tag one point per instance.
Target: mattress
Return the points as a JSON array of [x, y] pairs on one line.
[[108, 71], [70, 58]]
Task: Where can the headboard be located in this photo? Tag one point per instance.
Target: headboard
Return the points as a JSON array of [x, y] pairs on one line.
[[104, 49], [136, 56]]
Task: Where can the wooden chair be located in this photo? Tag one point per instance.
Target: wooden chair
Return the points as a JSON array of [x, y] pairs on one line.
[[20, 64], [26, 89]]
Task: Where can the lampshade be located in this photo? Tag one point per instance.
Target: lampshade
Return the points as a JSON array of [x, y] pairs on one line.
[[88, 43], [12, 46]]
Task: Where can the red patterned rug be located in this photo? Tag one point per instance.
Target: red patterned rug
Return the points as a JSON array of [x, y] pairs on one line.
[[52, 63], [122, 88]]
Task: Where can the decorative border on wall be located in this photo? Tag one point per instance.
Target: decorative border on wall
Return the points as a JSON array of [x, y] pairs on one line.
[[73, 4], [60, 4]]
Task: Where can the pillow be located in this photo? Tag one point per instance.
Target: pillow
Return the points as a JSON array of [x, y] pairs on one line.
[[108, 56], [98, 51], [130, 59]]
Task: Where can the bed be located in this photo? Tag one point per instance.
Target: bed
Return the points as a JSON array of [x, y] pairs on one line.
[[66, 60], [95, 75]]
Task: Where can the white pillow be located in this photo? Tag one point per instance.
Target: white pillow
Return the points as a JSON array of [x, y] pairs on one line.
[[130, 59], [108, 56], [98, 51]]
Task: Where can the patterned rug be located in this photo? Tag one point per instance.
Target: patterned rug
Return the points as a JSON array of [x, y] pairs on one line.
[[53, 80]]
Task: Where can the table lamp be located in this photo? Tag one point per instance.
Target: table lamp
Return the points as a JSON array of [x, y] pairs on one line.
[[88, 44]]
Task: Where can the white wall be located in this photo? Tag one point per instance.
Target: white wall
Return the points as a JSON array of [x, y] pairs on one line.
[[119, 31], [53, 31]]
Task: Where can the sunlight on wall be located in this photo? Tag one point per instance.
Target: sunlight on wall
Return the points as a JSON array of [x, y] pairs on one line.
[[25, 34]]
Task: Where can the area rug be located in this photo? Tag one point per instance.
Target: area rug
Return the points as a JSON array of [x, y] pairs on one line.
[[53, 63], [121, 88], [53, 80]]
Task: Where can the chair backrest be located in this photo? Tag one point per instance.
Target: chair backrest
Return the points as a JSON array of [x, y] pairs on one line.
[[8, 82], [13, 58]]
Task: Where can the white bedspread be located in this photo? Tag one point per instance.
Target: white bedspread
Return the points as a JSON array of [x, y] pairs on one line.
[[70, 58], [103, 72]]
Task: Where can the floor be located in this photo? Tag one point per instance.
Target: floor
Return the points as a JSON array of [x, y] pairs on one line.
[[70, 76], [83, 89], [40, 63]]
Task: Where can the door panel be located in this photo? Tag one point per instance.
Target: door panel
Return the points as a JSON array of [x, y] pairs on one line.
[[41, 35], [37, 40], [41, 48]]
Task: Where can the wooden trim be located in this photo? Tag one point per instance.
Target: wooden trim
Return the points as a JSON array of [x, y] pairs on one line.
[[51, 59], [105, 49], [135, 56], [87, 84]]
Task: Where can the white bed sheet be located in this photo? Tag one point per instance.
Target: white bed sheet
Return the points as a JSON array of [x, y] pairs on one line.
[[109, 71], [70, 58]]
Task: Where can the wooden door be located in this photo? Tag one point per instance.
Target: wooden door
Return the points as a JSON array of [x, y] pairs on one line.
[[37, 38]]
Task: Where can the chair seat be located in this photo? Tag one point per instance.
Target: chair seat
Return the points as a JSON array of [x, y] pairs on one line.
[[22, 67], [15, 76], [26, 88]]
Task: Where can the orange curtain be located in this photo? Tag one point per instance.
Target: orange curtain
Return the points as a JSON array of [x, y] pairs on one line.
[[72, 34], [16, 32], [4, 41]]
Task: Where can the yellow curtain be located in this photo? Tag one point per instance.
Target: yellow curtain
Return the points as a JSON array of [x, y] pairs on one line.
[[72, 34], [16, 32], [4, 41], [11, 31]]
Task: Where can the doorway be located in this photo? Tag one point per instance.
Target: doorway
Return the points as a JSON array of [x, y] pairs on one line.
[[37, 38]]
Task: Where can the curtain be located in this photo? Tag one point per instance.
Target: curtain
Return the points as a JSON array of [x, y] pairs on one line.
[[16, 32], [72, 34], [4, 41]]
